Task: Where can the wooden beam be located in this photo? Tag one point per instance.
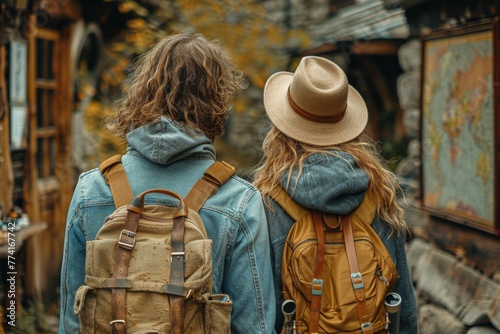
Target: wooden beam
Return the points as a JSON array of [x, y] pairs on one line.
[[358, 48], [7, 180], [325, 48], [375, 48]]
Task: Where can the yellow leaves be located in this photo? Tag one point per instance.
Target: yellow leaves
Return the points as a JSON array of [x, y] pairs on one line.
[[93, 109], [137, 24], [129, 6], [126, 7], [239, 105], [119, 47]]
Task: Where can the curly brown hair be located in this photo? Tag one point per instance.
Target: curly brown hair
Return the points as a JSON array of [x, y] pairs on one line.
[[184, 77]]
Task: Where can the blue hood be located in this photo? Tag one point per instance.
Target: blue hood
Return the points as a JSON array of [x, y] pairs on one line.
[[331, 184], [165, 141]]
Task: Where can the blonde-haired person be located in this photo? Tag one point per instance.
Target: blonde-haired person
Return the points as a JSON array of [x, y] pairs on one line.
[[175, 105], [317, 151]]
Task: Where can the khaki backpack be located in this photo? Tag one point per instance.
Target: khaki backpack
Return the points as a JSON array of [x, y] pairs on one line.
[[149, 270], [336, 269]]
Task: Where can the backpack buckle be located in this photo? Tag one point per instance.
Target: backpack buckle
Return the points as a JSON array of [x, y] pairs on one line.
[[124, 243], [368, 327], [317, 287], [177, 255], [357, 280]]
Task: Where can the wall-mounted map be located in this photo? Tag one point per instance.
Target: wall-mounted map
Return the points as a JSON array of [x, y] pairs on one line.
[[459, 111]]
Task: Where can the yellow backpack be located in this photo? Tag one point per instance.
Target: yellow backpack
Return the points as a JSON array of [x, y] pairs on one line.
[[336, 270]]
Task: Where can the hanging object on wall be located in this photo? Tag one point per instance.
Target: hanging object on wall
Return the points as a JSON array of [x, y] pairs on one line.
[[18, 98]]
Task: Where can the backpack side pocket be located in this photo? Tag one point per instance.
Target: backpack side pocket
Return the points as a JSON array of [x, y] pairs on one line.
[[217, 313], [85, 307]]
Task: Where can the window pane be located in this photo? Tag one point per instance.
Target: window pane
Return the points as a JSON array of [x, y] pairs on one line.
[[50, 60], [39, 108], [51, 107], [39, 58], [39, 157], [52, 154]]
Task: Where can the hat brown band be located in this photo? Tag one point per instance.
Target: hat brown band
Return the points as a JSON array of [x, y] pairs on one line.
[[311, 117]]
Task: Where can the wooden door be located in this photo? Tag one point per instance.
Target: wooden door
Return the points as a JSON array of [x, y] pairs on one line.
[[50, 120], [46, 84]]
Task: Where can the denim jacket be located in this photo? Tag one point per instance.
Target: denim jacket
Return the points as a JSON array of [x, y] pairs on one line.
[[164, 155], [336, 185]]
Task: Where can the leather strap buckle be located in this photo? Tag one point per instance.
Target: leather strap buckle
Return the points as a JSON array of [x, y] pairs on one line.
[[317, 287], [178, 254], [127, 243], [367, 328], [357, 280]]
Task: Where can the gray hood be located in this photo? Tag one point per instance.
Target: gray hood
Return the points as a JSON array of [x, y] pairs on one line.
[[331, 184], [165, 141]]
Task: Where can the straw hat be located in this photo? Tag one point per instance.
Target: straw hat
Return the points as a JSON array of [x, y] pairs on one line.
[[316, 105]]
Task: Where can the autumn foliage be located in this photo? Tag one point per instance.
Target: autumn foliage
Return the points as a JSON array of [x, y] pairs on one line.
[[257, 45]]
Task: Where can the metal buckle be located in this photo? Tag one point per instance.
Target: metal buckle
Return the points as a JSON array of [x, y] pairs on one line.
[[116, 322], [367, 325], [315, 283], [124, 244], [189, 294], [357, 285], [178, 254]]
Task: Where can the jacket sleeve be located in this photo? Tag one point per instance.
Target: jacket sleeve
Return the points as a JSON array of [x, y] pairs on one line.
[[248, 273], [404, 286], [73, 266], [279, 224]]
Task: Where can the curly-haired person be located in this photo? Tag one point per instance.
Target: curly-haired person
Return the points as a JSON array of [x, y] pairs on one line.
[[174, 107]]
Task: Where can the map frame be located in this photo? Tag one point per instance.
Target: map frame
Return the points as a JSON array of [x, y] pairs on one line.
[[460, 36]]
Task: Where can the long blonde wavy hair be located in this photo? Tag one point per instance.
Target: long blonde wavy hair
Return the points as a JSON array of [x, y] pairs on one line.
[[282, 154], [184, 77]]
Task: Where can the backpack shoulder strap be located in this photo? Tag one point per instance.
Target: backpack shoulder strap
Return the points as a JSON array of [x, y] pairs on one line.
[[214, 177], [292, 208], [113, 172]]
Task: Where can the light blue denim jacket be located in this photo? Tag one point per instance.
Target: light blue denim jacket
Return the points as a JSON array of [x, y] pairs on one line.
[[337, 186], [164, 155]]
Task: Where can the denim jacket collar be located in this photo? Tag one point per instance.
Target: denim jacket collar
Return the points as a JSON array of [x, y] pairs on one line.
[[165, 141], [331, 183]]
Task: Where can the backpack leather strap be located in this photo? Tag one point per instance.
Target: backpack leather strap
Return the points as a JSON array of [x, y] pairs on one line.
[[215, 176], [114, 174], [177, 303], [356, 277], [292, 208], [317, 283], [126, 243]]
